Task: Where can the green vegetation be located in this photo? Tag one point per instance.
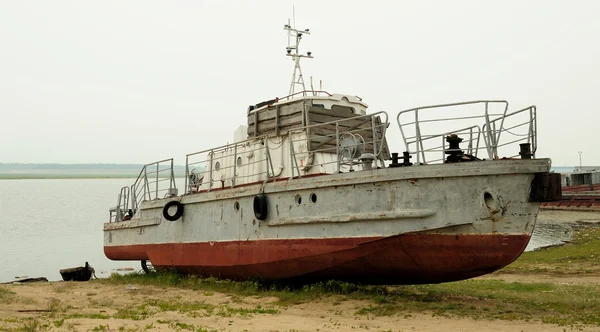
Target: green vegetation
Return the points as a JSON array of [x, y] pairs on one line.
[[490, 299], [199, 309], [6, 295], [286, 293], [582, 256]]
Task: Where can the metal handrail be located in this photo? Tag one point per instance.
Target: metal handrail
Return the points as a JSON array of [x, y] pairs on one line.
[[531, 134], [262, 163], [492, 129], [377, 143], [212, 160], [141, 191], [304, 92]]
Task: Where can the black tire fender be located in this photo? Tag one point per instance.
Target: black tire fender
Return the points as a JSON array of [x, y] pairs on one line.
[[260, 207], [177, 214]]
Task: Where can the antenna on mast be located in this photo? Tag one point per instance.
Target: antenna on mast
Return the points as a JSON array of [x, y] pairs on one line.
[[293, 51]]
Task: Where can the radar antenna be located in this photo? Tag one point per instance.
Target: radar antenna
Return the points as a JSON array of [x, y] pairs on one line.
[[293, 51]]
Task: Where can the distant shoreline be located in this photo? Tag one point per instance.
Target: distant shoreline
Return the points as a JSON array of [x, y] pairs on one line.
[[22, 171]]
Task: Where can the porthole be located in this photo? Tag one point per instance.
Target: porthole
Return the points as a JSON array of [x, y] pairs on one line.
[[236, 206], [313, 197], [239, 161], [490, 202], [298, 199], [217, 166]]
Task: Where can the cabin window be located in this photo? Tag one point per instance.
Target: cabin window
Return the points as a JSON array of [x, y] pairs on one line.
[[319, 105], [217, 166], [342, 109], [239, 161]]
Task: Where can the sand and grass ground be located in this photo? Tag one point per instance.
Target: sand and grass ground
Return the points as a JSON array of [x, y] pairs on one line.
[[554, 289]]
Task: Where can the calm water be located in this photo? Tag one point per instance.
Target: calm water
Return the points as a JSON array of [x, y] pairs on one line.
[[48, 225]]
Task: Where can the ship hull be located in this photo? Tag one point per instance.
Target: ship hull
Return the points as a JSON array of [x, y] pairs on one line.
[[402, 259], [412, 225]]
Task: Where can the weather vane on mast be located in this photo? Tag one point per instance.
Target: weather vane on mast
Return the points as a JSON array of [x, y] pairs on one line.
[[292, 50]]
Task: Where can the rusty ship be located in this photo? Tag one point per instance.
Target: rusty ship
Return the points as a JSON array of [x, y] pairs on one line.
[[309, 190]]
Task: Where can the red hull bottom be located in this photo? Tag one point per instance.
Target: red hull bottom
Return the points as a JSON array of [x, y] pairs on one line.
[[416, 258]]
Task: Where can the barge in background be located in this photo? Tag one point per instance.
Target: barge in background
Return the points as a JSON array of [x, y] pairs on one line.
[[309, 190]]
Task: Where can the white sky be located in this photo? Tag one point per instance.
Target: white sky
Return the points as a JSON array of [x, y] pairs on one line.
[[138, 81]]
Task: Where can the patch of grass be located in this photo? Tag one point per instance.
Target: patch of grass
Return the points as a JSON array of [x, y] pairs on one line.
[[6, 295], [139, 313], [59, 322], [196, 309], [178, 326], [580, 256], [227, 311], [101, 328], [102, 302], [136, 313], [492, 299], [286, 293], [31, 326], [64, 287], [89, 315], [56, 307]]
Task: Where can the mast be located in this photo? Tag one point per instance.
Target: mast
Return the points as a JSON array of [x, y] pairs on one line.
[[293, 51]]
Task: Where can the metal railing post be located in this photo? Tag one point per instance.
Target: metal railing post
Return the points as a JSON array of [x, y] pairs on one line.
[[234, 165], [156, 184], [210, 175], [146, 184], [172, 184], [337, 144], [291, 154], [133, 198], [374, 139], [187, 175], [419, 140]]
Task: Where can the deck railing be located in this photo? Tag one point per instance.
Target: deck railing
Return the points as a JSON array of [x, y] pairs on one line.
[[218, 167], [342, 142], [486, 128], [155, 181], [118, 212]]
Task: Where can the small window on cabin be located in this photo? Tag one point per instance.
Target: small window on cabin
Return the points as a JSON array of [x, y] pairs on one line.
[[319, 105], [342, 109], [217, 166], [239, 161]]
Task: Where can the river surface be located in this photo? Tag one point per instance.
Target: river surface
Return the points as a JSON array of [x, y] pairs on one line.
[[48, 225], [51, 224]]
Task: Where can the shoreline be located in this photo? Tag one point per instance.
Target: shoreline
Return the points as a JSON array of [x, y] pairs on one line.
[[551, 289]]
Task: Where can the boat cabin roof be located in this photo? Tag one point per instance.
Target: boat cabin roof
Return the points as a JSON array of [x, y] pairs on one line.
[[317, 99]]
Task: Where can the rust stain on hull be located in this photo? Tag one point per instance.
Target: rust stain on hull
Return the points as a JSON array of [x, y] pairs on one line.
[[404, 259]]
